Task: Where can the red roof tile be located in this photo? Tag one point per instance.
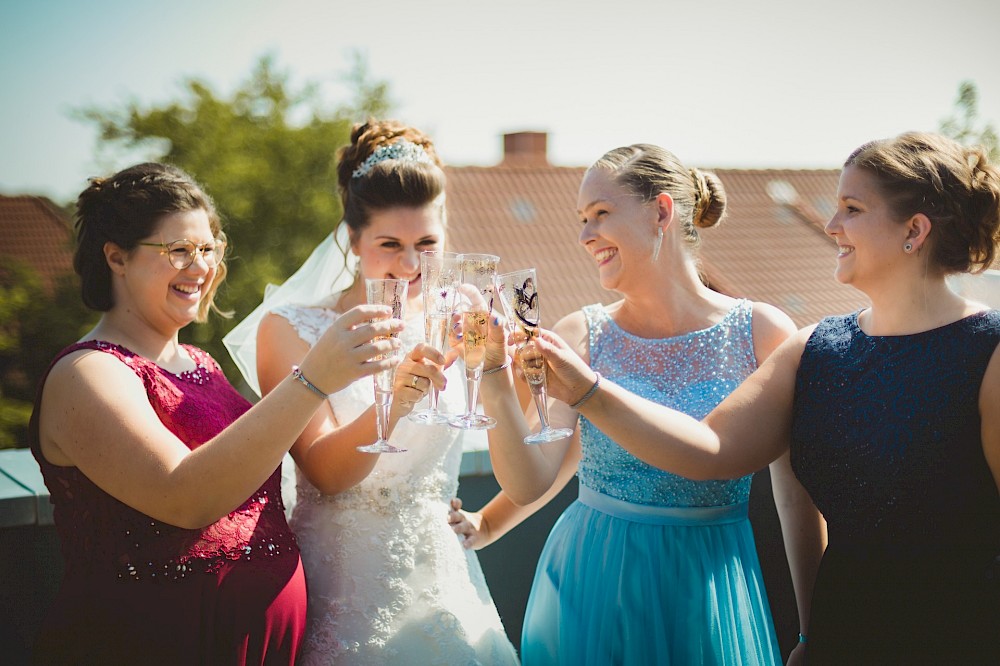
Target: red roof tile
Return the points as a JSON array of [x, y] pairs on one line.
[[36, 232]]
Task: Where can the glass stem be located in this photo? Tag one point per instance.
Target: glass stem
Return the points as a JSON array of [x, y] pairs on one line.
[[432, 400], [542, 405], [472, 378], [383, 401]]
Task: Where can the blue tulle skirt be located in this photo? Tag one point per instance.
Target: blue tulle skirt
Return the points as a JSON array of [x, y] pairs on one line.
[[620, 583]]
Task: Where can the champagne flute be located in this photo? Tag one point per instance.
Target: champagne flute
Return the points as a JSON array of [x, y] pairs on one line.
[[393, 294], [519, 298], [440, 273], [475, 305]]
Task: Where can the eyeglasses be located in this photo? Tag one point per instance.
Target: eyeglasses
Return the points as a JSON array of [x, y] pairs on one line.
[[180, 253]]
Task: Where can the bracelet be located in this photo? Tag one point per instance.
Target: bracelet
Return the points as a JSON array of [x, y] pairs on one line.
[[803, 638], [503, 366], [299, 377], [589, 394]]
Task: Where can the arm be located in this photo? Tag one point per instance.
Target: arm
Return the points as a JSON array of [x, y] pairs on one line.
[[989, 413], [501, 515], [325, 450], [748, 430], [526, 472], [804, 533], [95, 415]]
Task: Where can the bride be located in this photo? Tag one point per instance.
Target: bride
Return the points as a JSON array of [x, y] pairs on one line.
[[388, 581]]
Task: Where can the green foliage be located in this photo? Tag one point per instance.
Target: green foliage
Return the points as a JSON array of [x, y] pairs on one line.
[[267, 155], [964, 125], [34, 325]]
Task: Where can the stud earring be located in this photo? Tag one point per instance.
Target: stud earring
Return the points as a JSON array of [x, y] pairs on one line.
[[907, 247], [657, 243]]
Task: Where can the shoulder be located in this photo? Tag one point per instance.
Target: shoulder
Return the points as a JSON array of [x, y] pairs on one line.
[[771, 326], [573, 329], [277, 330]]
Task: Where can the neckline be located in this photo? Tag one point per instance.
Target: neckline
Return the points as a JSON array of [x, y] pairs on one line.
[[701, 331], [199, 364], [853, 321]]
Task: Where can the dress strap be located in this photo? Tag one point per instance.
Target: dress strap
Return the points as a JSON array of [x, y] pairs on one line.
[[689, 516]]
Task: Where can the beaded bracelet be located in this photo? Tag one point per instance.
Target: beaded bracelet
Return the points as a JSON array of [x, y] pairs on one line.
[[503, 366], [589, 394], [299, 377]]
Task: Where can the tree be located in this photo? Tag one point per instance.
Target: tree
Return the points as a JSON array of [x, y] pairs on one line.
[[273, 179], [34, 325], [964, 125]]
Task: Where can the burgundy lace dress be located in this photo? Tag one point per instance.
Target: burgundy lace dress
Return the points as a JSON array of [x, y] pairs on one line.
[[139, 591]]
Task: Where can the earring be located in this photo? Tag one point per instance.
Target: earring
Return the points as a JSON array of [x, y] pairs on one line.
[[657, 243], [907, 247]]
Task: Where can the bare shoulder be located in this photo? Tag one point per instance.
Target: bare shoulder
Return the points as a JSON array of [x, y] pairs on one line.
[[771, 327], [573, 329], [279, 346]]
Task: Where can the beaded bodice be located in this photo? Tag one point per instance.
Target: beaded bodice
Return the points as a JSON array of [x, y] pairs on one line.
[[102, 536], [691, 373], [886, 433]]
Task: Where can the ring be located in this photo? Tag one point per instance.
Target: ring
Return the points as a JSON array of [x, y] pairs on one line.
[[413, 381]]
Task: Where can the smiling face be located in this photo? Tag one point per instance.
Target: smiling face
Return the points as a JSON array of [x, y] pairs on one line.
[[165, 297], [618, 229], [390, 246], [869, 236]]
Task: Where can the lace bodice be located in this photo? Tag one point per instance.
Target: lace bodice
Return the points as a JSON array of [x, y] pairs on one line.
[[388, 581], [691, 373], [101, 535]]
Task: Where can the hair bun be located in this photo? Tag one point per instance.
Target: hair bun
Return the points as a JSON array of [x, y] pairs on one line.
[[710, 199]]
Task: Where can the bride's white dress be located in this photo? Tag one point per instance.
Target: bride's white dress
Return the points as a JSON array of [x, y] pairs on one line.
[[388, 580]]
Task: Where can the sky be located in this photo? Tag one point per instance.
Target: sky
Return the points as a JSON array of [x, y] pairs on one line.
[[721, 83]]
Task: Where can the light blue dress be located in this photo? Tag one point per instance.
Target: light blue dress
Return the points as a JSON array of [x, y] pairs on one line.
[[647, 567]]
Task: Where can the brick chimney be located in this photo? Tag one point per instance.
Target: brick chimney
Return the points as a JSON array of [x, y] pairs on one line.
[[525, 149]]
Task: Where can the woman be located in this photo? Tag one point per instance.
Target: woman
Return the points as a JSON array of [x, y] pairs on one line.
[[646, 567], [164, 480], [890, 415], [388, 582]]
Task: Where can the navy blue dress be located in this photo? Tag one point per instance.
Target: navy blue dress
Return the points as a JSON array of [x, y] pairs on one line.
[[887, 441]]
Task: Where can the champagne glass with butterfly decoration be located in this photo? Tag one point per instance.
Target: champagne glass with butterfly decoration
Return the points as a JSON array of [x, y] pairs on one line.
[[519, 298]]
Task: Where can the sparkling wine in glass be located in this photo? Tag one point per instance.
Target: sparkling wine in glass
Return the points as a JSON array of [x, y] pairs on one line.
[[440, 273], [393, 294], [474, 305], [519, 297]]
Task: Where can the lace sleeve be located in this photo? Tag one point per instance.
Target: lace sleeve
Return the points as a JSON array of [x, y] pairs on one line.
[[309, 323]]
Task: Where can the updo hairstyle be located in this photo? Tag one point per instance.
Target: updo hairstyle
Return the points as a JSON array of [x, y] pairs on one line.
[[389, 183], [955, 186], [126, 208], [647, 170]]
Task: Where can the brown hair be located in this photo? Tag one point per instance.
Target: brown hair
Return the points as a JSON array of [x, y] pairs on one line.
[[126, 208], [955, 186], [647, 170], [388, 183]]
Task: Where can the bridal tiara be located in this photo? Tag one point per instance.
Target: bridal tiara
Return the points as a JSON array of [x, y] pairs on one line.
[[403, 150]]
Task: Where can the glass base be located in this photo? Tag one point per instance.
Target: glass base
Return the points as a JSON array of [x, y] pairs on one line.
[[380, 447], [548, 435], [429, 417], [472, 422]]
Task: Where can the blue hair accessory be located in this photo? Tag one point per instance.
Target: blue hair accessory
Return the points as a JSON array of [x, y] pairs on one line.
[[402, 150]]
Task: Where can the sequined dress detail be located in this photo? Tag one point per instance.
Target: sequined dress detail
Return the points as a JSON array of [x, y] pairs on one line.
[[887, 440], [138, 590], [389, 582], [648, 567]]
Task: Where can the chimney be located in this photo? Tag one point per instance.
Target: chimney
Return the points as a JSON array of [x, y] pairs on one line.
[[525, 149]]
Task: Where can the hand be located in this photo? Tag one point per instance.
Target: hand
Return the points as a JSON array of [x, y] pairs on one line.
[[569, 377], [797, 656], [421, 369], [470, 527], [345, 352], [496, 341]]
